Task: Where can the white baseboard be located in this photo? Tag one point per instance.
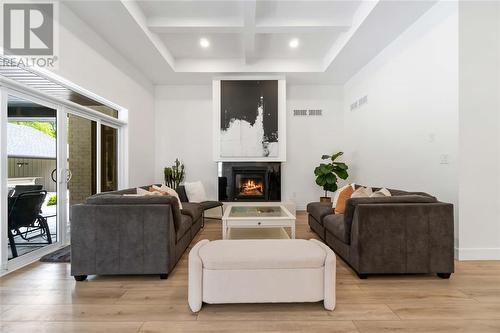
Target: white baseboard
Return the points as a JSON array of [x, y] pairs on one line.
[[477, 253]]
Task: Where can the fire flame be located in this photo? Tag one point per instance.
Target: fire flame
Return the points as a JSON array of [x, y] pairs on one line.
[[250, 187]]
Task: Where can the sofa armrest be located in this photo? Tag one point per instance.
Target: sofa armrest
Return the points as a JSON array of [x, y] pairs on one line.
[[319, 210], [195, 277], [405, 237], [122, 239]]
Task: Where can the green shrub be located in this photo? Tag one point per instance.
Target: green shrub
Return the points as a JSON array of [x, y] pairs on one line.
[[52, 200]]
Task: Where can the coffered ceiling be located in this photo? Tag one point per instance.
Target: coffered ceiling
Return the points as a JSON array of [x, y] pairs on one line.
[[243, 36]]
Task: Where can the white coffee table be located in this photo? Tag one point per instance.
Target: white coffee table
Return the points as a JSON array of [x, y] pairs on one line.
[[255, 216]]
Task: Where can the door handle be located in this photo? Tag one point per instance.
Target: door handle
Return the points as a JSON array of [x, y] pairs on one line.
[[53, 175], [66, 175], [69, 175]]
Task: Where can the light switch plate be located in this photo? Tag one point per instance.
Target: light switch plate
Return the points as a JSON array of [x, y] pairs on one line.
[[444, 159]]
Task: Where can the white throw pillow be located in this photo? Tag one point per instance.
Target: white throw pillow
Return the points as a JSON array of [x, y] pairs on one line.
[[337, 193], [195, 192], [141, 191], [383, 192], [170, 191]]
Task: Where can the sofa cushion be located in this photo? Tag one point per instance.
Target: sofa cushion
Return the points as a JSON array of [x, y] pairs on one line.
[[125, 198], [262, 254], [117, 199], [181, 190], [193, 210], [184, 226], [401, 199], [318, 210], [335, 225]]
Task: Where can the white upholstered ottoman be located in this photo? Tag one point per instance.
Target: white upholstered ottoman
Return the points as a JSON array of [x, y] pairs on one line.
[[261, 271]]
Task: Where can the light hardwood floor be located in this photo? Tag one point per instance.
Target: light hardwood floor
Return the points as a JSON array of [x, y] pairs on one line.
[[44, 298]]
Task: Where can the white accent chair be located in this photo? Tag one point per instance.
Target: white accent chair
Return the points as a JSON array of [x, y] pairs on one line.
[[261, 271]]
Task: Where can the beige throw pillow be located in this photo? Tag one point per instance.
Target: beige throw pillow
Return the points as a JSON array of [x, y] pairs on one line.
[[168, 191], [383, 192], [141, 191], [362, 192]]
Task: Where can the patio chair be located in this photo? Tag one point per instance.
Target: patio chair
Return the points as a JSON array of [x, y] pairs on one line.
[[18, 189], [24, 212]]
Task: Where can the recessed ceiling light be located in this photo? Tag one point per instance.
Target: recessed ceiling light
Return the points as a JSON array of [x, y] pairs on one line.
[[294, 43], [204, 43]]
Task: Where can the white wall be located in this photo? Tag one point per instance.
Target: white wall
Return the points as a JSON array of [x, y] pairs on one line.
[[87, 60], [308, 138], [410, 121], [184, 130], [479, 53]]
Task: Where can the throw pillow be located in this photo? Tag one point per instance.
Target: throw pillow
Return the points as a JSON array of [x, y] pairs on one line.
[[165, 190], [141, 191], [342, 200], [383, 192], [195, 192], [337, 193], [362, 192]]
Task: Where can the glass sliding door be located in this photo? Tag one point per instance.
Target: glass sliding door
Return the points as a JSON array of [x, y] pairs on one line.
[[57, 147], [31, 176], [109, 158]]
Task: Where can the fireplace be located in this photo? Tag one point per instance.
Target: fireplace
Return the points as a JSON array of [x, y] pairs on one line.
[[249, 181]]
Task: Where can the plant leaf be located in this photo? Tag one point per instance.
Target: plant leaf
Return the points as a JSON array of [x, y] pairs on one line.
[[321, 180], [325, 157], [331, 178], [341, 173], [341, 165], [330, 187], [335, 156]]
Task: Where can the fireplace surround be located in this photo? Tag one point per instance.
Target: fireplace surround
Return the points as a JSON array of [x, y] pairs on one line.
[[249, 181]]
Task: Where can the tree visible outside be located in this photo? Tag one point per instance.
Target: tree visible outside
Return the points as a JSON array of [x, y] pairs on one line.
[[46, 127]]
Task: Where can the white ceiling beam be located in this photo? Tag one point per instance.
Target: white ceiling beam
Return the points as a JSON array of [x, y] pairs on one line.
[[249, 29], [137, 14], [293, 26], [359, 17], [238, 65], [194, 25]]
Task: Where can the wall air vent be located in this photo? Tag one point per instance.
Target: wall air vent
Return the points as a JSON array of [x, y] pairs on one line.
[[300, 112], [308, 112], [315, 112]]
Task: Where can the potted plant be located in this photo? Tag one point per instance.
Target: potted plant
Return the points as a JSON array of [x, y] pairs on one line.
[[174, 175], [327, 174]]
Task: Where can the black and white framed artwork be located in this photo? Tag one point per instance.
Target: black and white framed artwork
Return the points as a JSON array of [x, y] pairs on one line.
[[249, 119]]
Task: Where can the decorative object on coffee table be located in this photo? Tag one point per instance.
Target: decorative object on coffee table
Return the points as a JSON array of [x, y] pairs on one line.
[[327, 174], [174, 175]]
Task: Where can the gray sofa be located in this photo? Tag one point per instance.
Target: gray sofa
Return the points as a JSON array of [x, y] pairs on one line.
[[409, 232], [115, 234]]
